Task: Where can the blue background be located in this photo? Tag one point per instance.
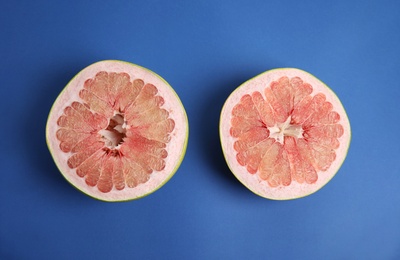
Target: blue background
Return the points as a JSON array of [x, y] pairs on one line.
[[204, 49]]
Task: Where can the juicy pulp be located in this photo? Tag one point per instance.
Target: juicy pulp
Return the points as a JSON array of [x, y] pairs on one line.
[[117, 131], [284, 134]]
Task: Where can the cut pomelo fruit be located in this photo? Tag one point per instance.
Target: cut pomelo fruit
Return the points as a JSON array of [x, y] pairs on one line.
[[284, 134], [117, 131]]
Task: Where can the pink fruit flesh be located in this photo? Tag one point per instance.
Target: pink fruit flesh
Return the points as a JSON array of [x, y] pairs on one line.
[[289, 136], [284, 134], [117, 131], [117, 136]]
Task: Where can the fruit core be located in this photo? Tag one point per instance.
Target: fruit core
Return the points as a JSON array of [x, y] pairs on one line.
[[115, 132], [280, 130]]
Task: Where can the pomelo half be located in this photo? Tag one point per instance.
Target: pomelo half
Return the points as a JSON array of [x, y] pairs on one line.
[[284, 134], [117, 131]]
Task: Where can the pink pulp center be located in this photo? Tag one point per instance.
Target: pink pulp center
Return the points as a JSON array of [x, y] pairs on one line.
[[116, 137], [288, 136]]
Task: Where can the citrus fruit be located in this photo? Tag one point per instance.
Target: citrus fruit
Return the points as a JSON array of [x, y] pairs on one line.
[[284, 134], [117, 131]]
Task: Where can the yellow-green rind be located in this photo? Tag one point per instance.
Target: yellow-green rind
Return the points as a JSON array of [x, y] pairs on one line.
[[226, 157], [170, 175]]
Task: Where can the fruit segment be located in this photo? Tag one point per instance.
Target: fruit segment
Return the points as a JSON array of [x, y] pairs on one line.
[[116, 137], [285, 134]]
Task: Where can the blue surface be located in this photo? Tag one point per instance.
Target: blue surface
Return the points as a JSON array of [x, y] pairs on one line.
[[204, 49]]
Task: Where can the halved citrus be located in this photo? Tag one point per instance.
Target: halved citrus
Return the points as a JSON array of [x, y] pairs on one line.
[[117, 131], [284, 134]]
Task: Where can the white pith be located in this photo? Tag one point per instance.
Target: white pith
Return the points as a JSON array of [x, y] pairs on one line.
[[176, 147], [252, 181], [111, 138], [279, 131]]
